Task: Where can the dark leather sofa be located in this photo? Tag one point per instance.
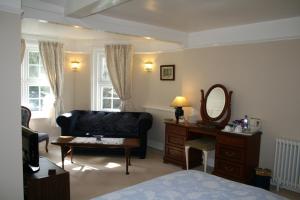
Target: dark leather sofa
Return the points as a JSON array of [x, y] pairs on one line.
[[82, 123]]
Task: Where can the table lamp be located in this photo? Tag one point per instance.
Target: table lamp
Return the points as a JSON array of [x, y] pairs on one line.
[[178, 103]]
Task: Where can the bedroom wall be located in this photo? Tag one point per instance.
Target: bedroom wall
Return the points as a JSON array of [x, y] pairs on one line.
[[264, 78], [82, 83], [11, 175]]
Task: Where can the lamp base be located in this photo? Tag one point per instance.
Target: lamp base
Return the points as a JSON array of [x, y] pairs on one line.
[[178, 113]]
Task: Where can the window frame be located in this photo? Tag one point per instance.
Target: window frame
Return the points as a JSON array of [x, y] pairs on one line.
[[98, 84], [26, 81]]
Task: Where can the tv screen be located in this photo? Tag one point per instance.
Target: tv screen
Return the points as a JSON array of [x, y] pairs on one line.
[[30, 147]]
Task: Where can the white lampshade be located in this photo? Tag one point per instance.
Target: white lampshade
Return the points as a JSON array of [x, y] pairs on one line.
[[180, 101]]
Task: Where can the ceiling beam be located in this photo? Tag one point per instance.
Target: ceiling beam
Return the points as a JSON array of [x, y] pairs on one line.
[[80, 9], [282, 29], [39, 10]]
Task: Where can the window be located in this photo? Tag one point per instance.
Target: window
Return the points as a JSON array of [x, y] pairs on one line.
[[36, 92], [104, 97]]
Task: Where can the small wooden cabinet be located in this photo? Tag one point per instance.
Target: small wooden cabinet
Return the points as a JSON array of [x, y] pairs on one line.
[[236, 155], [41, 185]]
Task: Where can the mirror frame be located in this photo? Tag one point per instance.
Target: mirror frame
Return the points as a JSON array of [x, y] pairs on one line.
[[223, 118]]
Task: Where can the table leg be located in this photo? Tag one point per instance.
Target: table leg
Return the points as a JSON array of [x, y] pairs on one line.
[[71, 154], [129, 158], [62, 157], [127, 155]]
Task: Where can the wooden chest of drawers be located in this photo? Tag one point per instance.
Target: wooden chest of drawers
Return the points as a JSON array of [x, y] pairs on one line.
[[236, 156]]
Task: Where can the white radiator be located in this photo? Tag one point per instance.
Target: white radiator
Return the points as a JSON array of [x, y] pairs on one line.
[[287, 164]]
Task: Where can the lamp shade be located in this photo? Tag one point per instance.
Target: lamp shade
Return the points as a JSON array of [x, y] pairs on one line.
[[180, 101]]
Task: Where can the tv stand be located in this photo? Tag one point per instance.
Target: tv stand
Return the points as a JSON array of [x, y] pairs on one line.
[[41, 185]]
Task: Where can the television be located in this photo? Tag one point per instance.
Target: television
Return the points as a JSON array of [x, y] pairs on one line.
[[30, 148]]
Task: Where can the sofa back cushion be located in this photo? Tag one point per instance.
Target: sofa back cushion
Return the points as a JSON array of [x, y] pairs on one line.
[[114, 124]]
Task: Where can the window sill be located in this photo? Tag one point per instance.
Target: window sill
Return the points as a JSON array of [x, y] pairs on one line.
[[39, 115], [109, 110]]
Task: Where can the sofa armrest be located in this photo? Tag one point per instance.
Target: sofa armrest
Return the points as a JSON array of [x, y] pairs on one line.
[[67, 121], [144, 122]]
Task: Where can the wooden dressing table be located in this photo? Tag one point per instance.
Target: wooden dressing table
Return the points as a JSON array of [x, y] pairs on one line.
[[236, 155]]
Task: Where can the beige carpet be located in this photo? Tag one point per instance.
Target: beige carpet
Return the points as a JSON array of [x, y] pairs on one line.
[[94, 175]]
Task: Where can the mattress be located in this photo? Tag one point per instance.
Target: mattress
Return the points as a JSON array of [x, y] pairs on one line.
[[190, 185]]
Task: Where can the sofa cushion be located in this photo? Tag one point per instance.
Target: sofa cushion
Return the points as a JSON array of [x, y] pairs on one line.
[[127, 125], [90, 121]]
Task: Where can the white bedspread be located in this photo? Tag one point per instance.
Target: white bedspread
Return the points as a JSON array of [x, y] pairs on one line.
[[190, 185]]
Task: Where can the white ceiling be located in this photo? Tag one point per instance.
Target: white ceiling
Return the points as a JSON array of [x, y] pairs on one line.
[[56, 2], [187, 23], [198, 15], [32, 29]]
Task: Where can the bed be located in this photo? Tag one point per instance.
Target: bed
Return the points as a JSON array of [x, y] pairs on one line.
[[190, 185]]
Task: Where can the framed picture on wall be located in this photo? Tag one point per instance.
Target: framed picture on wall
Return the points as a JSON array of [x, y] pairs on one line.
[[167, 72]]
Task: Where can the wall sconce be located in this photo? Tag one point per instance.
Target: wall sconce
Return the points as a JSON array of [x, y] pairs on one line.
[[75, 65], [148, 66]]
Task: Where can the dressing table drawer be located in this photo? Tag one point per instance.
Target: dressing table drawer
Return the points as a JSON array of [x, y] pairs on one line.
[[231, 140], [175, 140], [176, 130], [175, 153], [229, 169], [230, 153]]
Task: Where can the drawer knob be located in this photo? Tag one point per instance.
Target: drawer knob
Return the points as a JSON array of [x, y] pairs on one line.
[[229, 153], [229, 169]]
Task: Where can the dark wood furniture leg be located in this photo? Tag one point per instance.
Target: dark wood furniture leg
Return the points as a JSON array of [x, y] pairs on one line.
[[62, 156], [47, 142], [127, 155], [71, 154]]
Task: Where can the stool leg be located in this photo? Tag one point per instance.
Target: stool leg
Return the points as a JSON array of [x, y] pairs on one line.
[[204, 160], [187, 156]]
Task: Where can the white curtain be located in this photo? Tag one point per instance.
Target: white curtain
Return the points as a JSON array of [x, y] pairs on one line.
[[23, 47], [52, 55], [119, 64]]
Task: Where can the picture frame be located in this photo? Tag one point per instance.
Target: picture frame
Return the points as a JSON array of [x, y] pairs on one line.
[[167, 72]]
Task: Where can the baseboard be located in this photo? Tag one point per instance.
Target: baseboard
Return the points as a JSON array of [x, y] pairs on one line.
[[156, 145], [293, 189]]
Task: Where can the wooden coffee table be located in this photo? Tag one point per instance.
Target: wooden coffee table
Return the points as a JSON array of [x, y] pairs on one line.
[[67, 143]]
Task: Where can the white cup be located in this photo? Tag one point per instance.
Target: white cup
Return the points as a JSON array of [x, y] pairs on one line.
[[227, 128], [238, 129]]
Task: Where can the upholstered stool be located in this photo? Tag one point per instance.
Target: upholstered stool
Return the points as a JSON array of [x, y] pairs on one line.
[[204, 144]]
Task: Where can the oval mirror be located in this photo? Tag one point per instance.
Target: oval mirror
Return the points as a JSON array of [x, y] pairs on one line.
[[215, 102], [216, 106]]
